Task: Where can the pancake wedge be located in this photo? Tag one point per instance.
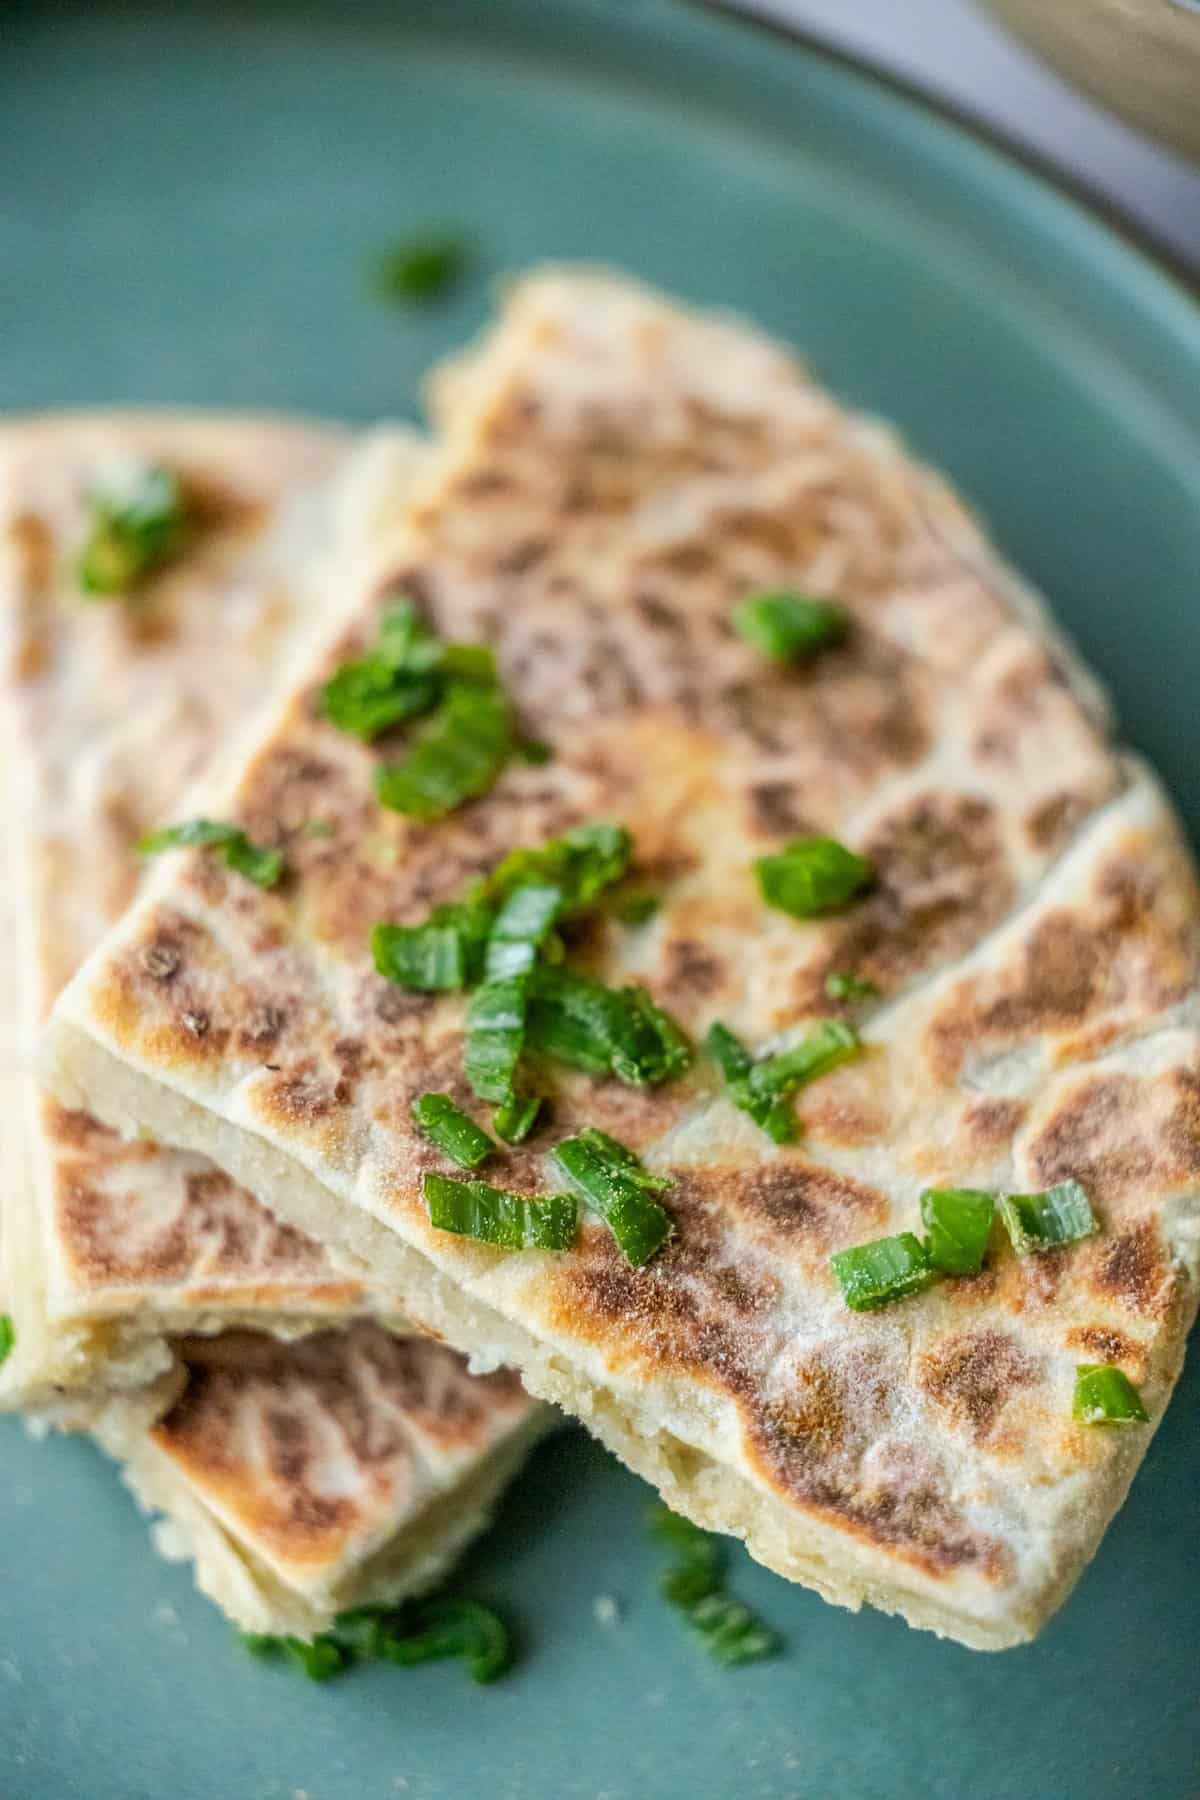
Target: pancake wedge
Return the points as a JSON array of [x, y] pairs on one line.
[[618, 474], [300, 1477]]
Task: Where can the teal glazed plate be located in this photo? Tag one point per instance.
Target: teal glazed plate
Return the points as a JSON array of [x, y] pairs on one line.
[[190, 195]]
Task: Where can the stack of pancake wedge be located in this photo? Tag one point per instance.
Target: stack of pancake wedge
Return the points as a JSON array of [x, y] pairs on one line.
[[149, 1297], [1010, 981]]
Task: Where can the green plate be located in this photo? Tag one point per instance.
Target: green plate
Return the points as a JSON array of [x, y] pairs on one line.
[[188, 200]]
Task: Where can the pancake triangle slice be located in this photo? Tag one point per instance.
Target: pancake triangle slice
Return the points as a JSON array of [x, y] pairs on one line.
[[617, 474], [141, 1282]]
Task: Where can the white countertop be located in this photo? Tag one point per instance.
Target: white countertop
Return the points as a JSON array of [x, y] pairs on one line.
[[953, 50]]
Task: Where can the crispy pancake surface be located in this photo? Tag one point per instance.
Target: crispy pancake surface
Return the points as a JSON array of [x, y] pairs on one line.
[[302, 1476], [113, 706], [618, 474]]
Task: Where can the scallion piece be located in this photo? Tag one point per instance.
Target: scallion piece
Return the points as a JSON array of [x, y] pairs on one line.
[[246, 858], [875, 1274], [1059, 1215], [851, 989], [8, 1336], [516, 1118], [522, 925], [636, 907], [580, 864], [957, 1222], [496, 1037], [396, 680], [763, 1089], [694, 1583], [420, 268], [812, 876], [1104, 1395], [457, 756], [612, 1181], [447, 951], [451, 1130], [494, 1216], [603, 1030], [138, 523], [320, 1658], [462, 1628], [788, 626]]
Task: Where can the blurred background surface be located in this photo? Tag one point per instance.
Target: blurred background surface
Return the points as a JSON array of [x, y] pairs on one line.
[[956, 51]]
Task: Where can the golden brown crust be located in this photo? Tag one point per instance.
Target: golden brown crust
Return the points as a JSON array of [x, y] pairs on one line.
[[619, 476]]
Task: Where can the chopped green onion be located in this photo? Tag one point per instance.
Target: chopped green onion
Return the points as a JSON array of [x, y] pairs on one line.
[[8, 1336], [1059, 1215], [439, 1628], [811, 876], [636, 907], [522, 926], [875, 1274], [491, 1215], [763, 1089], [516, 1118], [581, 864], [695, 1582], [850, 988], [1104, 1395], [496, 1037], [395, 681], [258, 865], [457, 756], [957, 1222], [731, 1632], [451, 1130], [612, 1180], [420, 268], [138, 523], [444, 1628], [320, 1659], [603, 1030], [533, 751], [788, 626], [447, 951]]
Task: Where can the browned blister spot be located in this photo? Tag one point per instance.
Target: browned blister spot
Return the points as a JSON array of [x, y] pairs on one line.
[[1133, 1270], [972, 1376], [1105, 1344]]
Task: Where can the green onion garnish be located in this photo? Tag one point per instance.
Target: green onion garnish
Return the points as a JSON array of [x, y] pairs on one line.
[[457, 756], [788, 626], [811, 876], [451, 1130], [404, 1636], [320, 1658], [395, 681], [491, 1215], [580, 864], [694, 1583], [420, 268], [875, 1274], [516, 1118], [534, 751], [612, 1181], [636, 907], [8, 1336], [245, 858], [1104, 1395], [852, 989], [138, 523], [521, 927], [763, 1089], [957, 1222], [603, 1030], [496, 1037], [447, 951], [1059, 1215]]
